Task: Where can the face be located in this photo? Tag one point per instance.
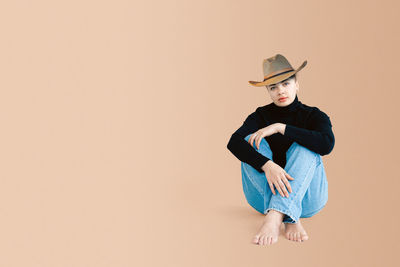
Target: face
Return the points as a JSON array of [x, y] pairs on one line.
[[286, 89]]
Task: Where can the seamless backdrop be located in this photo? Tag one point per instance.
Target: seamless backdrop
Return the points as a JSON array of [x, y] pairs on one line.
[[115, 117]]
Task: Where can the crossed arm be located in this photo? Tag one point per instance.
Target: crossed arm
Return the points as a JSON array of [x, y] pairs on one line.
[[318, 138]]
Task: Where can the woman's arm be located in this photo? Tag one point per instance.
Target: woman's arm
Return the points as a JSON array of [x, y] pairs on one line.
[[318, 138], [241, 149]]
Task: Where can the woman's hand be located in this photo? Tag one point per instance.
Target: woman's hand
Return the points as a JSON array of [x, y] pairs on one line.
[[266, 131], [276, 176]]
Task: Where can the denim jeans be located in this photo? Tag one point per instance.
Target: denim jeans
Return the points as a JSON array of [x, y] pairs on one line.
[[309, 187]]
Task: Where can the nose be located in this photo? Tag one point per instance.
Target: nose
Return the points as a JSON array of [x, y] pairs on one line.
[[280, 88]]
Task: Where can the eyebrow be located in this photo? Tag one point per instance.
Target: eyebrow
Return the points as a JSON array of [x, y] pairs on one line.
[[274, 84]]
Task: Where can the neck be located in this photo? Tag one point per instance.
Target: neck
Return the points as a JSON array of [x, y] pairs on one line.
[[289, 108]]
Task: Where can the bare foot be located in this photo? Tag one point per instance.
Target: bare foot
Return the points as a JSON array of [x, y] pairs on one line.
[[269, 231], [295, 232]]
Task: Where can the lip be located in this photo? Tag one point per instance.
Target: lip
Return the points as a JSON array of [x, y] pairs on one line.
[[282, 98]]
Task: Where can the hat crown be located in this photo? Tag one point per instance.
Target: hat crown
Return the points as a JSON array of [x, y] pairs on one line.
[[275, 65], [277, 69]]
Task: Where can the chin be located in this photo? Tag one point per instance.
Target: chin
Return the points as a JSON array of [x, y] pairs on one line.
[[282, 104]]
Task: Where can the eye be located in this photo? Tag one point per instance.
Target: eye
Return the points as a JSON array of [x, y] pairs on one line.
[[272, 88], [286, 83]]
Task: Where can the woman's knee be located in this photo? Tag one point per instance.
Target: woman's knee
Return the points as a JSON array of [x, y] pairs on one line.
[[263, 143], [303, 152]]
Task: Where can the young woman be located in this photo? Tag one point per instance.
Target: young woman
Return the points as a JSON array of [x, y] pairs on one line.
[[280, 147]]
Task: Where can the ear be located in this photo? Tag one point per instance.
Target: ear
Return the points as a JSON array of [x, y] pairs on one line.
[[298, 86]]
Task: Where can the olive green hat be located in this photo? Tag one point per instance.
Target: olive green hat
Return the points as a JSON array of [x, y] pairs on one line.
[[276, 69]]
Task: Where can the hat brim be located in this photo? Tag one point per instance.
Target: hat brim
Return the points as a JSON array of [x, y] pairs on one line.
[[278, 78]]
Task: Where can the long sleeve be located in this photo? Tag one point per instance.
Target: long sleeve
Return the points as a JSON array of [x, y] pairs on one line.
[[318, 137], [241, 149]]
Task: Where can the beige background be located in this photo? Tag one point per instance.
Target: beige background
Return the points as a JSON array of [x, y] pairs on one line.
[[115, 117]]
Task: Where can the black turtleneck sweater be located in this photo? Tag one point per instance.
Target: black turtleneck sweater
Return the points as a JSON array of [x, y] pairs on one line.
[[305, 125]]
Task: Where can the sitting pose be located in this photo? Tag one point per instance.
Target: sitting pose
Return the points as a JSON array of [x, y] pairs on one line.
[[280, 147]]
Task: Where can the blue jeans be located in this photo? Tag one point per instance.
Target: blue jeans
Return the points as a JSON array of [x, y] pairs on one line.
[[309, 187]]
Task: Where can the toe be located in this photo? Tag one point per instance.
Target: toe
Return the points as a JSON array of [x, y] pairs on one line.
[[266, 240], [287, 236], [261, 240], [304, 237], [296, 237], [256, 239]]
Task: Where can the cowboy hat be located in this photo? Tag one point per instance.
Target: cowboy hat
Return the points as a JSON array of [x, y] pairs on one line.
[[276, 69]]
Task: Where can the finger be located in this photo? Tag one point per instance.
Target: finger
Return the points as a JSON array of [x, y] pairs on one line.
[[256, 141], [283, 188], [253, 137], [272, 188], [250, 141], [260, 137], [288, 176], [287, 184], [279, 189]]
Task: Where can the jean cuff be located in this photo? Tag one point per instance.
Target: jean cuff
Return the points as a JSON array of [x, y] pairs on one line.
[[290, 218]]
